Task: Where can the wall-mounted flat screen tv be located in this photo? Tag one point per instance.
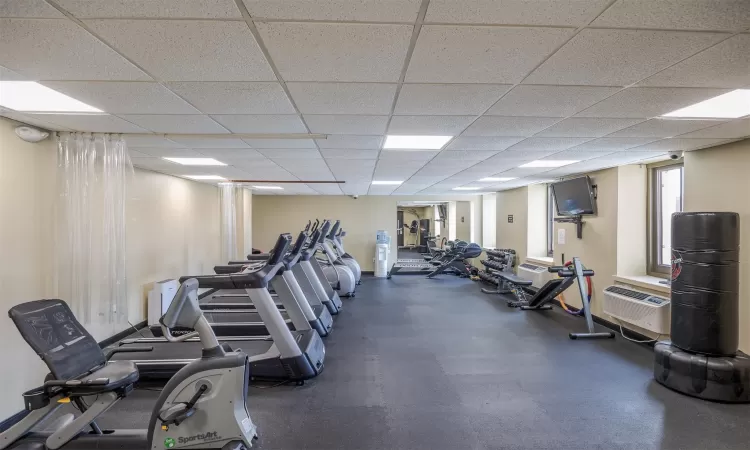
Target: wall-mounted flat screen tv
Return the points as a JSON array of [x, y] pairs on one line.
[[574, 197]]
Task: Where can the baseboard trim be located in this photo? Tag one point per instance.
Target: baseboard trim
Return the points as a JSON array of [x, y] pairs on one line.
[[612, 326], [368, 272], [122, 335]]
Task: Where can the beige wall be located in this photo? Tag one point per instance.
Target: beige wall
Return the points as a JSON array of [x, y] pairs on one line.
[[717, 179], [361, 218], [247, 221], [632, 220], [463, 221], [26, 186], [172, 230], [598, 248], [513, 235], [536, 221]]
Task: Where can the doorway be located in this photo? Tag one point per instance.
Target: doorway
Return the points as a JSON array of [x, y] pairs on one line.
[[419, 227]]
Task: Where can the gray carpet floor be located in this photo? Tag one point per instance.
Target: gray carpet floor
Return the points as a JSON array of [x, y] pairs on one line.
[[434, 364]]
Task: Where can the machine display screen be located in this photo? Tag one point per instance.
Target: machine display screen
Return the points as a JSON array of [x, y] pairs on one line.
[[574, 197]]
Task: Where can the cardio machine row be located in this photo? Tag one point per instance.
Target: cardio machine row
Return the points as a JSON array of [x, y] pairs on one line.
[[203, 405], [281, 332]]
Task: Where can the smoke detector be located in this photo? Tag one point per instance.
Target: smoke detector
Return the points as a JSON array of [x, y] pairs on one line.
[[30, 134]]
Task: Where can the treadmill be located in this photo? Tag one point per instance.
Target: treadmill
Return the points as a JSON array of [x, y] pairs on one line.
[[283, 355], [244, 320], [307, 271]]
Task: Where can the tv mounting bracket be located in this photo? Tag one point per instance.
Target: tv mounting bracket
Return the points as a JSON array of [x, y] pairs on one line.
[[578, 220]]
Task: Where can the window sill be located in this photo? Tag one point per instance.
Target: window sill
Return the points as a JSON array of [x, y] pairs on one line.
[[541, 260], [645, 282]]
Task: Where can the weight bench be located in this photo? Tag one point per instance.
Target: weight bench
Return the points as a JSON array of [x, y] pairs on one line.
[[510, 283]]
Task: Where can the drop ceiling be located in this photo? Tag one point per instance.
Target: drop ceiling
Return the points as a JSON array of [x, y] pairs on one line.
[[512, 80]]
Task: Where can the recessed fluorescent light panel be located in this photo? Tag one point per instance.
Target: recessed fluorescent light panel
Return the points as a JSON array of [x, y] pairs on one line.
[[497, 179], [268, 188], [465, 188], [726, 106], [28, 96], [206, 177], [387, 183], [393, 142], [547, 163], [196, 161]]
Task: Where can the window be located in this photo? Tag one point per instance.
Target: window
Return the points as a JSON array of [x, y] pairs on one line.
[[666, 199], [550, 219]]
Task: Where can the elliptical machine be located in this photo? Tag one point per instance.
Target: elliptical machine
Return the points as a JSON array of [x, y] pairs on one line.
[[335, 238], [336, 272], [203, 406]]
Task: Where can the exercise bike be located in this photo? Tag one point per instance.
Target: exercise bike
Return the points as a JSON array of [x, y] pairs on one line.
[[201, 407]]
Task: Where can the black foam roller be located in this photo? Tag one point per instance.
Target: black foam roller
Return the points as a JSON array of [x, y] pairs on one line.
[[705, 282]]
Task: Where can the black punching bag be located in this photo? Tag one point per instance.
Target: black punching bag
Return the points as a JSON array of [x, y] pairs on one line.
[[705, 282]]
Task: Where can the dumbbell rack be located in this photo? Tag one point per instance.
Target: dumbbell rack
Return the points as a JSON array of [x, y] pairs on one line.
[[498, 260]]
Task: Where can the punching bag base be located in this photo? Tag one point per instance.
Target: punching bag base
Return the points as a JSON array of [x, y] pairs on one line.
[[716, 378]]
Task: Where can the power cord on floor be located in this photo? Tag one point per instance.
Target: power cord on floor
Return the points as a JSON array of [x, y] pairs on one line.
[[622, 333]]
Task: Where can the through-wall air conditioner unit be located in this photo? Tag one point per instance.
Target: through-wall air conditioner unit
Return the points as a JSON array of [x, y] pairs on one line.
[[638, 308], [538, 275]]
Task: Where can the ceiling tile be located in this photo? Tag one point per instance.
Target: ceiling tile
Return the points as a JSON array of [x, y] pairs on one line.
[[515, 12], [350, 141], [381, 190], [291, 153], [609, 145], [353, 165], [338, 124], [161, 152], [649, 102], [150, 142], [664, 128], [337, 52], [163, 123], [343, 98], [509, 126], [463, 54], [9, 75], [280, 143], [429, 125], [188, 50], [233, 156], [38, 121], [586, 127], [28, 8], [536, 144], [618, 57], [60, 50], [576, 155], [524, 171], [157, 164], [467, 155], [455, 99], [93, 123], [549, 101], [261, 123], [209, 143], [482, 143], [724, 65], [124, 97], [355, 188], [348, 154], [735, 129], [235, 97], [178, 9], [336, 10], [677, 14], [676, 144], [328, 189], [406, 155]]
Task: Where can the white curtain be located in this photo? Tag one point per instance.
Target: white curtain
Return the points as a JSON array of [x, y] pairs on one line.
[[92, 175], [228, 204]]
